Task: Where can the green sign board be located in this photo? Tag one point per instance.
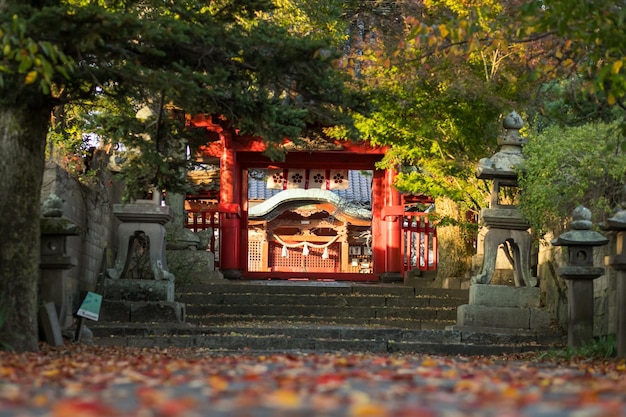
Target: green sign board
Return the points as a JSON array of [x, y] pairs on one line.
[[90, 308]]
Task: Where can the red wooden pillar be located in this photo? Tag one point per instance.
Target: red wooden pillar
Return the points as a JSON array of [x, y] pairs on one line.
[[379, 237], [393, 221], [243, 219], [230, 210]]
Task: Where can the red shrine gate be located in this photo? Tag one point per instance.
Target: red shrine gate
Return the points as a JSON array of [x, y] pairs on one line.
[[238, 154]]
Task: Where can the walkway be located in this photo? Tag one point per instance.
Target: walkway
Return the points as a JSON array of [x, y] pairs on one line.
[[97, 381]]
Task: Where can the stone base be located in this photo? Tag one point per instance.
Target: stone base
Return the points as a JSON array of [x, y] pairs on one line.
[[190, 266], [209, 277], [504, 307], [138, 290], [233, 274], [455, 283], [142, 311], [530, 319], [504, 296]]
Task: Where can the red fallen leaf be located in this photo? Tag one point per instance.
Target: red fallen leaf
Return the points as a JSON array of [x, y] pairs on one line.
[[415, 412], [75, 407], [329, 379], [177, 407], [149, 396]]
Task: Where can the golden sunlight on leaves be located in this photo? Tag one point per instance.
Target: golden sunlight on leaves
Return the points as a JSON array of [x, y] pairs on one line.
[[31, 77], [617, 66], [443, 31]]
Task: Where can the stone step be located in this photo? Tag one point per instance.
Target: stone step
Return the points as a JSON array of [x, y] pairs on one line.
[[337, 302], [399, 323], [426, 313], [321, 302], [285, 337], [315, 288], [333, 300]]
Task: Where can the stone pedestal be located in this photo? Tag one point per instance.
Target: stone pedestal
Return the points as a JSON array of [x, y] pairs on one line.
[[138, 220], [138, 290], [193, 266], [503, 308], [141, 236]]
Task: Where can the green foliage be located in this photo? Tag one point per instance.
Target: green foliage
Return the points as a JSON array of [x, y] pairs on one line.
[[439, 95], [586, 38], [566, 167], [26, 60], [567, 103], [603, 348]]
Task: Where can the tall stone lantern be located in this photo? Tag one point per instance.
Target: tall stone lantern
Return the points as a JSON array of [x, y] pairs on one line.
[[504, 221], [505, 307]]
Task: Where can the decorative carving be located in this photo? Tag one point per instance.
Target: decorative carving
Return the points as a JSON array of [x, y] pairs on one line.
[[307, 211]]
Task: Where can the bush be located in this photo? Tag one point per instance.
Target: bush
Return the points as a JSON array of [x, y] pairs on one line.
[[567, 167]]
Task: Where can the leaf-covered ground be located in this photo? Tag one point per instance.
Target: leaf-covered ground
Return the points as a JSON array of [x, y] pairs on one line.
[[91, 381]]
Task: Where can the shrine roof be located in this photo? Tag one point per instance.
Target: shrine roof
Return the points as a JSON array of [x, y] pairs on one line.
[[268, 208], [359, 189]]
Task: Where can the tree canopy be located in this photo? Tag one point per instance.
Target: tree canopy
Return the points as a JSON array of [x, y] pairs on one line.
[[455, 69]]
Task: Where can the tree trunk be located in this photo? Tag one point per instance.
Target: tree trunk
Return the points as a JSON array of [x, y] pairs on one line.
[[22, 151]]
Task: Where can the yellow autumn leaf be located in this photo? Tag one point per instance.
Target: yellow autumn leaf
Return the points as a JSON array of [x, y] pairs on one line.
[[611, 99], [368, 410], [443, 30], [50, 372], [617, 65], [40, 400], [284, 398], [31, 77]]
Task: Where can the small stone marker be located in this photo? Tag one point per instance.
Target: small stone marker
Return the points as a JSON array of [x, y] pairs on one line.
[[50, 323]]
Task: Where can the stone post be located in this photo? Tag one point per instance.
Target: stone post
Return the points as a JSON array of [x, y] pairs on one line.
[[54, 258], [580, 273], [617, 261]]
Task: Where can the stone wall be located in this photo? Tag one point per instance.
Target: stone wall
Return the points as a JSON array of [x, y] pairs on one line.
[[89, 206]]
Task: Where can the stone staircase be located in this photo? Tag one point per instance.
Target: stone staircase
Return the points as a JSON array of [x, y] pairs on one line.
[[334, 303], [317, 316]]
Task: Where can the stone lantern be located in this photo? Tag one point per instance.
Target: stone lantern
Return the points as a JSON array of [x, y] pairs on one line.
[[504, 221], [505, 308], [617, 261], [55, 261], [580, 273]]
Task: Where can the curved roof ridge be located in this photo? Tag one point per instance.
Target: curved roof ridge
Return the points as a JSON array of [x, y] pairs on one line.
[[296, 194]]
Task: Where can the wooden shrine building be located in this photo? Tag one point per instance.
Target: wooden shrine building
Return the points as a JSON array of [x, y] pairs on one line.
[[304, 230]]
